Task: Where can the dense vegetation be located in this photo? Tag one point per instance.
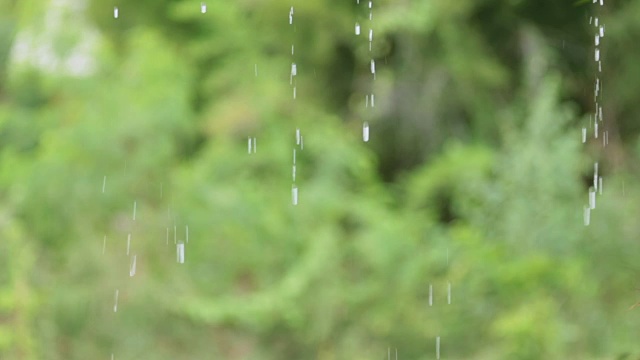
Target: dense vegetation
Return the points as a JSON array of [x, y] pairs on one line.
[[475, 176]]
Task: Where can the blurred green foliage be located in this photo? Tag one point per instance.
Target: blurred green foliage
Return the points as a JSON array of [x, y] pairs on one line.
[[474, 177]]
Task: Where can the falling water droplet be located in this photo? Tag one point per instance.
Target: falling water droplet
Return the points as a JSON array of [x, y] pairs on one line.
[[600, 113], [115, 305], [365, 131], [449, 293], [592, 198], [104, 183], [294, 93], [370, 35], [132, 268], [135, 205], [597, 55], [587, 215], [294, 195], [128, 243], [438, 347], [255, 145], [203, 8], [249, 147], [357, 29], [180, 252], [597, 40], [584, 135], [291, 16], [601, 31], [373, 66], [600, 185], [115, 12], [187, 233], [294, 156], [373, 101], [430, 295]]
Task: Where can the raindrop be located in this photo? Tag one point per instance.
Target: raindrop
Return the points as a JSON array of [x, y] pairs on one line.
[[115, 12], [366, 101], [104, 183], [601, 31], [584, 135], [297, 140], [294, 93], [596, 23], [449, 293], [373, 103], [249, 147], [597, 40], [203, 8], [187, 233], [370, 4], [600, 112], [255, 144], [292, 47], [294, 156], [357, 29], [132, 268], [128, 243], [430, 295], [115, 305], [592, 198], [597, 55], [370, 35], [587, 216], [180, 252], [600, 185], [294, 173], [291, 16], [438, 347], [365, 131], [373, 66], [294, 195]]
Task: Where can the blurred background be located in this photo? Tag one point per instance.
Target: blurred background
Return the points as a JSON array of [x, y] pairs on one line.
[[122, 137]]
